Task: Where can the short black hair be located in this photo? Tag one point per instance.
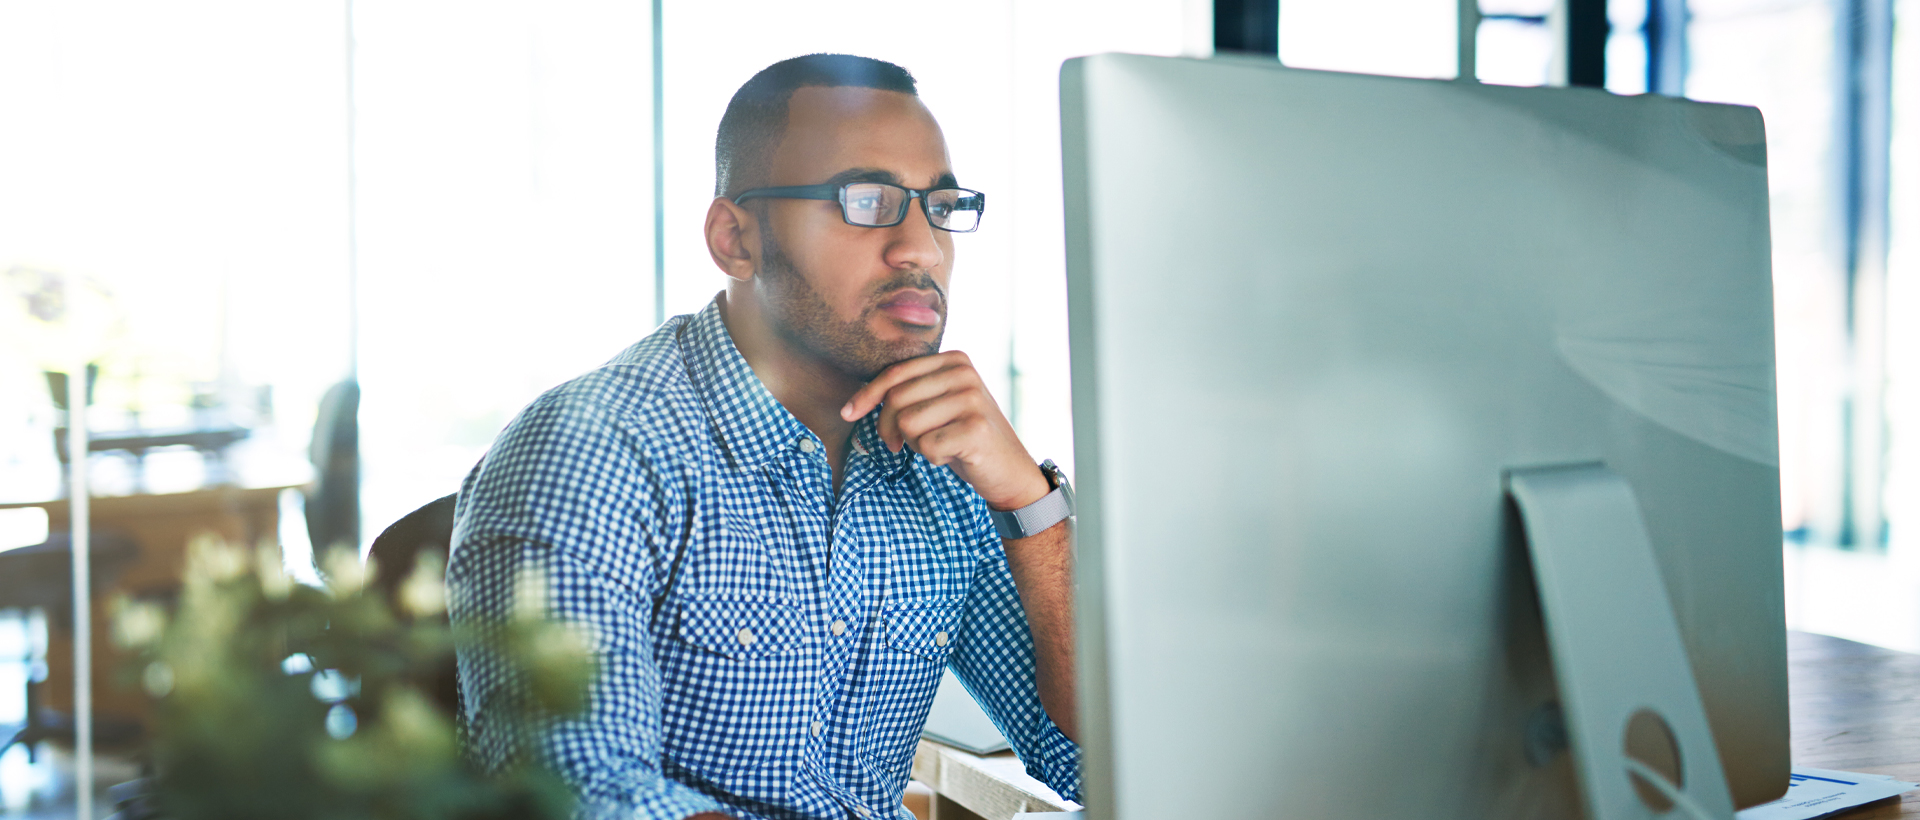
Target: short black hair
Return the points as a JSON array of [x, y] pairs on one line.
[[757, 116]]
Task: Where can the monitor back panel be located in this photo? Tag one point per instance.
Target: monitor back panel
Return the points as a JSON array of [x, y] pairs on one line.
[[1314, 317]]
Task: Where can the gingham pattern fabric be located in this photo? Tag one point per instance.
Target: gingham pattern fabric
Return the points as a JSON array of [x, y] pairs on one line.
[[784, 666]]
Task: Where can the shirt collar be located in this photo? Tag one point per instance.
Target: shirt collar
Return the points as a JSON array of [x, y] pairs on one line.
[[867, 444], [753, 425]]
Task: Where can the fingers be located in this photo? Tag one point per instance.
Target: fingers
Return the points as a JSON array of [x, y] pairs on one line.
[[942, 429], [952, 380], [871, 395]]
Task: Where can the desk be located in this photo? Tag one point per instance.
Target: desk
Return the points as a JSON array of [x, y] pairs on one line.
[[967, 786], [1854, 707], [161, 525]]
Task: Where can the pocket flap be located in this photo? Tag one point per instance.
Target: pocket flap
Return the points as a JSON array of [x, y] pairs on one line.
[[740, 628], [926, 629]]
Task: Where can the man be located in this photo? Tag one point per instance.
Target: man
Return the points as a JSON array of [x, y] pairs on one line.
[[781, 518]]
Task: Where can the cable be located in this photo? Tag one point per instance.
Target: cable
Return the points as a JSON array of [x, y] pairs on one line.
[[1668, 789]]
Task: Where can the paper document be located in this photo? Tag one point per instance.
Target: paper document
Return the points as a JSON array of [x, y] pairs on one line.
[[957, 720], [1820, 792]]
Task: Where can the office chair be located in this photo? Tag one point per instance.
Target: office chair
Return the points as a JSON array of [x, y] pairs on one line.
[[428, 530], [333, 505]]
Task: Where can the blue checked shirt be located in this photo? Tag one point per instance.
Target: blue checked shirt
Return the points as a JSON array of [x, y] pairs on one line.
[[767, 649]]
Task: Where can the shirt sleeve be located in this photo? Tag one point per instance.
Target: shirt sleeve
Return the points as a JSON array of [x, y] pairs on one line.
[[566, 499], [994, 660]]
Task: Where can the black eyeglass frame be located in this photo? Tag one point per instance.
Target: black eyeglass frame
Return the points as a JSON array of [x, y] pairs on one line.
[[837, 192]]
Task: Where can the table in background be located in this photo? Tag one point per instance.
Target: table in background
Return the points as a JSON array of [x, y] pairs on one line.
[[1854, 707], [161, 525]]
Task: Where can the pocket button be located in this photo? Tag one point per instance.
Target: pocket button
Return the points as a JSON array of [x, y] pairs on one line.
[[939, 639], [745, 636]]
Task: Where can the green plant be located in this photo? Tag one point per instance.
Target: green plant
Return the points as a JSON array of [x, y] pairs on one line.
[[275, 699]]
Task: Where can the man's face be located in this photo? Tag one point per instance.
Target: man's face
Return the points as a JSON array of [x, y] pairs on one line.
[[858, 299]]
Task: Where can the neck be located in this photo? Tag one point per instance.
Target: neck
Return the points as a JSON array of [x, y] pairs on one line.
[[809, 388]]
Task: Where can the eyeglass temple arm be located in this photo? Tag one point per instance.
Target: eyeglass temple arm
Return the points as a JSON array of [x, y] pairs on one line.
[[827, 192]]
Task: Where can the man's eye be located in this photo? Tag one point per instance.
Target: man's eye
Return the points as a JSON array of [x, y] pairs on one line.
[[870, 202], [943, 209]]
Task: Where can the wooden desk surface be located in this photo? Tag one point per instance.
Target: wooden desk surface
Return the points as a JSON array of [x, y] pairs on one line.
[[161, 526], [1855, 707]]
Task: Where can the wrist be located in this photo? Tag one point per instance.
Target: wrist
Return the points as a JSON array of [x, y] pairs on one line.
[[1047, 508], [1033, 489]]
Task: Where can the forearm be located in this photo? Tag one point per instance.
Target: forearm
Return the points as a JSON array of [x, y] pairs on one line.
[[1042, 567]]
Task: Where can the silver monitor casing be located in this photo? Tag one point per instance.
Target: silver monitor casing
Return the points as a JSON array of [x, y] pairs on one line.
[[1314, 319]]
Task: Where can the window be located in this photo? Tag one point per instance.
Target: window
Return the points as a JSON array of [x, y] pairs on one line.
[[504, 175], [1406, 38]]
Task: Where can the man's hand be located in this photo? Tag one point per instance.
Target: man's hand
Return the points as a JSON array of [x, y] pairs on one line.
[[939, 406]]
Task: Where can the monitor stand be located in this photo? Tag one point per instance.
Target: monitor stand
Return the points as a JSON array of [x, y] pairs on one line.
[[1616, 648]]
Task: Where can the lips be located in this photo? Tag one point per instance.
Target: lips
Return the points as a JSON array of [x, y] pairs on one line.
[[913, 307]]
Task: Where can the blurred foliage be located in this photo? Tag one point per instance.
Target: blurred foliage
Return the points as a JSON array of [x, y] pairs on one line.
[[275, 699]]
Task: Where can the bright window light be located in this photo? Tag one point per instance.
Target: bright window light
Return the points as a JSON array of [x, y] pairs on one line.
[[22, 527], [1403, 38]]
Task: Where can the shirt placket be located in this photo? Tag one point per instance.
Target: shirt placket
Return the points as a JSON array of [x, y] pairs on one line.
[[839, 618], [847, 613]]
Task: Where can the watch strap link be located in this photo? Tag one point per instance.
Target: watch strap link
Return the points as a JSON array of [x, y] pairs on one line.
[[1035, 518]]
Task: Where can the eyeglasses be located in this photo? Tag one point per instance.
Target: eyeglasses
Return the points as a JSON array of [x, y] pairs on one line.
[[879, 205]]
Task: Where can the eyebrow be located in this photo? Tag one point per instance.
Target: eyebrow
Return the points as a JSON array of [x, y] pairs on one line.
[[946, 180]]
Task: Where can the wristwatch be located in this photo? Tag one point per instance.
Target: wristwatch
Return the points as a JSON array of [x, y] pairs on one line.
[[1035, 518]]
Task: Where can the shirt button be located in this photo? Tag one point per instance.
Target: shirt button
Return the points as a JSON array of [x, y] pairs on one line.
[[839, 627], [745, 636], [939, 639], [806, 445], [818, 727]]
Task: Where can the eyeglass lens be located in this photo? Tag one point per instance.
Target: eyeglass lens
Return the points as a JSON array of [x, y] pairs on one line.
[[880, 205]]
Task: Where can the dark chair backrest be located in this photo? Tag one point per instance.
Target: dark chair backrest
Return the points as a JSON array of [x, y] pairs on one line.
[[425, 530]]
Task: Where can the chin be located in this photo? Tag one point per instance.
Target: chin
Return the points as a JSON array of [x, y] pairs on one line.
[[886, 354]]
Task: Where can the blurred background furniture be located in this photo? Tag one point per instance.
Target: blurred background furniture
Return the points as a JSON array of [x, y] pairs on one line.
[[41, 577], [139, 550], [210, 443], [427, 531], [211, 434], [333, 502]]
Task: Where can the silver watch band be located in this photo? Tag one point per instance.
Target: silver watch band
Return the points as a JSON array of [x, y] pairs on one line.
[[1035, 518]]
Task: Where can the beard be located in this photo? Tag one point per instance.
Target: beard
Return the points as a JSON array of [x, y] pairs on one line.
[[804, 320]]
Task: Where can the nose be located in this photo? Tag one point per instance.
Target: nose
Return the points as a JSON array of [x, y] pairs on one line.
[[915, 243]]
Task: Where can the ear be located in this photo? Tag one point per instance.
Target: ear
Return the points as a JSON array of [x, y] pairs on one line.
[[733, 238]]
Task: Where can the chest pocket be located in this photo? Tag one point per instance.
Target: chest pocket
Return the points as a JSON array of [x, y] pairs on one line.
[[741, 628], [927, 629]]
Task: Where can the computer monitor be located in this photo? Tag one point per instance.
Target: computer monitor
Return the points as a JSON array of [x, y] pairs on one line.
[[1316, 319]]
